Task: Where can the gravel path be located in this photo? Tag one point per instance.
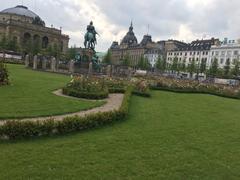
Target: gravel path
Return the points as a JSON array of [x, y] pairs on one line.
[[113, 103]]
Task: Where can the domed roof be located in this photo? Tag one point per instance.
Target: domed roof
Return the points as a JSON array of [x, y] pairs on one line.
[[20, 10], [130, 37]]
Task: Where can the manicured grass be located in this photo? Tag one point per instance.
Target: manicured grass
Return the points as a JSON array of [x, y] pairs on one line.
[[167, 136], [30, 94]]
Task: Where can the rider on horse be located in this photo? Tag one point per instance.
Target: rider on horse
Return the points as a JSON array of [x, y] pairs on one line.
[[90, 36]]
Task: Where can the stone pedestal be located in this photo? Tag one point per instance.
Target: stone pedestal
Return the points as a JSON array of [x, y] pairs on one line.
[[71, 66], [90, 69], [27, 60], [35, 62], [44, 63], [53, 64]]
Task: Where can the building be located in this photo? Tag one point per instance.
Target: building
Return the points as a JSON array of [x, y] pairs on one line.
[[227, 50], [26, 27], [197, 51], [130, 47]]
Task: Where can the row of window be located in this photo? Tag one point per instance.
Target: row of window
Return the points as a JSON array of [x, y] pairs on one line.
[[223, 53], [186, 53], [190, 59]]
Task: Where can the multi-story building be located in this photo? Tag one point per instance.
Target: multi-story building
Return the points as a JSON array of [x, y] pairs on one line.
[[227, 50], [26, 27], [130, 47], [197, 51]]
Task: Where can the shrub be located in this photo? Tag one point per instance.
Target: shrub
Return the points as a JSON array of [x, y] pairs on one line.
[[25, 129], [141, 88], [196, 87], [86, 87], [3, 74]]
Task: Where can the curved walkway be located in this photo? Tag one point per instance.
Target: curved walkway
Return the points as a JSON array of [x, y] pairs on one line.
[[113, 103]]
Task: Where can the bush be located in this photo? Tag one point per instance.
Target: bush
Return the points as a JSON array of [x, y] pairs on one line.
[[142, 89], [85, 87], [187, 86], [27, 129], [3, 74]]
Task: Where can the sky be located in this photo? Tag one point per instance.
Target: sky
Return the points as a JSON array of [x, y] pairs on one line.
[[184, 20]]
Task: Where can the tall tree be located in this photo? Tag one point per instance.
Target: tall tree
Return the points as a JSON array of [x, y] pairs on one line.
[[203, 66], [236, 69], [213, 71], [71, 53], [227, 68], [108, 57], [182, 65], [161, 64], [192, 68], [126, 60], [143, 63], [175, 65], [36, 47]]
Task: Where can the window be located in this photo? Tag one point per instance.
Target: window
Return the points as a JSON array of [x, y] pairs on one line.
[[235, 53], [229, 53], [217, 53], [206, 53], [223, 53], [197, 53], [221, 60], [203, 53], [213, 53]]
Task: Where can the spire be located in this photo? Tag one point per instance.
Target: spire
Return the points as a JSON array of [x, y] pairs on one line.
[[131, 27]]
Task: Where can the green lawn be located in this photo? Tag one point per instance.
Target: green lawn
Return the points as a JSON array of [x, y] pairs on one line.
[[30, 95], [169, 136]]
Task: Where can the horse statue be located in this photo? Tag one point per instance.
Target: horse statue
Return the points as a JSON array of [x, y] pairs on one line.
[[90, 37], [90, 41]]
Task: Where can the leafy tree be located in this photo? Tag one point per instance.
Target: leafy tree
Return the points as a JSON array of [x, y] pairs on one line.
[[203, 66], [213, 71], [235, 70], [161, 64], [36, 47], [28, 47], [108, 57], [175, 65], [3, 43], [227, 68], [182, 65], [143, 63], [71, 53], [192, 68], [126, 60], [56, 51]]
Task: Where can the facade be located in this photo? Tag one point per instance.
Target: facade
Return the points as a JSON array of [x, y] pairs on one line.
[[130, 47], [197, 51], [24, 26], [228, 50]]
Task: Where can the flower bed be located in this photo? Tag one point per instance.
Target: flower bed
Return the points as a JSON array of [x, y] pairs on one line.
[[85, 87], [141, 88], [17, 129], [3, 74], [116, 85], [187, 86]]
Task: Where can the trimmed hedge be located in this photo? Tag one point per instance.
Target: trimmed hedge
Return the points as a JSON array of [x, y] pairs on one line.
[[194, 92], [116, 90], [27, 129], [142, 94], [88, 95]]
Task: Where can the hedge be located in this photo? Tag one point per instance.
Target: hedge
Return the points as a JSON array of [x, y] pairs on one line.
[[27, 129], [116, 90], [194, 91], [88, 95], [142, 94]]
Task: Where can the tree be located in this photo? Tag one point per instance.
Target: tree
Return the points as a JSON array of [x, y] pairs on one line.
[[213, 71], [126, 60], [3, 43], [56, 52], [71, 53], [192, 68], [203, 66], [227, 68], [235, 70], [182, 65], [175, 65], [161, 64], [143, 63], [108, 57], [36, 47]]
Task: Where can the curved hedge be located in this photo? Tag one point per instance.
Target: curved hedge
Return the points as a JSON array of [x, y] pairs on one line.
[[83, 94], [27, 129]]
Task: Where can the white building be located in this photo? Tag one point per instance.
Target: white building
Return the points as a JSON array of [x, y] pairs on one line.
[[228, 50], [197, 51], [152, 56]]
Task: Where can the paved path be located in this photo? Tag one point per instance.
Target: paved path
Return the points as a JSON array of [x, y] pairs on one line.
[[113, 103]]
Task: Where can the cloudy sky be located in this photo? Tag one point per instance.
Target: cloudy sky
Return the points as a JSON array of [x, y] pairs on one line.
[[184, 20]]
